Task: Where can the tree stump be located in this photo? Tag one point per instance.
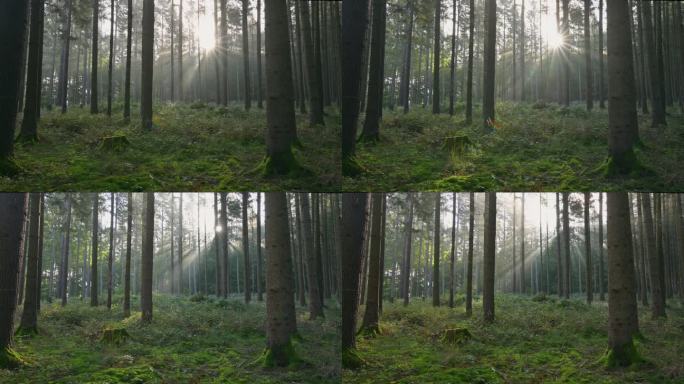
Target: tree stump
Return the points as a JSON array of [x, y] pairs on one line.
[[456, 336], [116, 336], [115, 143]]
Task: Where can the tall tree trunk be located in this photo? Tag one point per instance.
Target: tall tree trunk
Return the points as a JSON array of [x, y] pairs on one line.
[[29, 317], [260, 88], [469, 271], [110, 259], [259, 270], [600, 231], [315, 97], [147, 64], [94, 61], [406, 268], [280, 114], [488, 114], [181, 93], [623, 321], [371, 125], [453, 251], [436, 57], [589, 74], [111, 66], [245, 248], [566, 247], [657, 295], [64, 75], [29, 124], [523, 73], [93, 262], [354, 24], [587, 248], [452, 68], [355, 211], [13, 207], [64, 267], [315, 305], [602, 104], [559, 264], [223, 239], [565, 32], [469, 86], [41, 237], [127, 274], [281, 319], [181, 285], [127, 86], [489, 257], [406, 75], [437, 253], [147, 256], [370, 317], [523, 281], [652, 58], [13, 19], [245, 54]]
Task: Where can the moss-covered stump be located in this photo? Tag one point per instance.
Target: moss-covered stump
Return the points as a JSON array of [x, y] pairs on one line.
[[284, 356], [456, 336], [351, 359], [10, 359], [116, 143], [457, 145], [624, 356], [116, 336]]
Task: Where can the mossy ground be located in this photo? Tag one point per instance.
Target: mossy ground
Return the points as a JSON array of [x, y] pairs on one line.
[[208, 341], [534, 148], [550, 341], [192, 147]]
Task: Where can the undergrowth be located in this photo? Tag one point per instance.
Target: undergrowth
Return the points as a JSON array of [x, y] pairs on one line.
[[189, 341], [533, 148], [531, 341], [192, 147]]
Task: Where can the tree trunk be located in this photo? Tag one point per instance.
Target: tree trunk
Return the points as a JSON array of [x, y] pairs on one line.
[[488, 114], [64, 267], [111, 67], [259, 270], [94, 61], [260, 103], [587, 248], [437, 253], [406, 268], [315, 97], [523, 281], [623, 322], [93, 263], [29, 317], [245, 248], [13, 207], [600, 231], [29, 124], [371, 125], [354, 24], [355, 211], [180, 245], [180, 52], [245, 54], [587, 55], [225, 267], [657, 295], [559, 264], [127, 86], [565, 31], [370, 317], [469, 86], [110, 259], [127, 275], [280, 114], [489, 257], [469, 272], [602, 104], [147, 256], [147, 63], [436, 57], [315, 305], [406, 75], [566, 247], [658, 104], [281, 319]]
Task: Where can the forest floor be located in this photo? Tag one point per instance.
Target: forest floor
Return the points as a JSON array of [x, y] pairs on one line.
[[550, 341], [210, 341], [535, 147], [193, 147]]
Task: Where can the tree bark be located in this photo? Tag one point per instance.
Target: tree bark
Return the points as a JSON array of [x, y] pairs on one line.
[[587, 249], [147, 258], [29, 317], [488, 114], [489, 266], [437, 253], [127, 275], [469, 271], [589, 74], [315, 97], [371, 125], [245, 248], [127, 86], [64, 267], [566, 247], [93, 262], [623, 322], [110, 259], [406, 268], [436, 57], [370, 317], [657, 295], [469, 82], [245, 54], [29, 124]]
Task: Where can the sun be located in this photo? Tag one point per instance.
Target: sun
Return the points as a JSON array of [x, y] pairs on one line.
[[206, 33], [550, 34]]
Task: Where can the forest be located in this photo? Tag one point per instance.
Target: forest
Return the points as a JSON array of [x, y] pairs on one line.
[[512, 95], [513, 287], [169, 287], [169, 95]]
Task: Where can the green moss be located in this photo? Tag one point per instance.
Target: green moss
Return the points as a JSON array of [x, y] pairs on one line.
[[10, 359], [351, 359], [283, 356], [26, 331], [351, 167], [9, 167], [623, 356]]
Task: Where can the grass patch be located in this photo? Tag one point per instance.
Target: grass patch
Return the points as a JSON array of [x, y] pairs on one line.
[[193, 147], [188, 341], [533, 148], [531, 341]]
